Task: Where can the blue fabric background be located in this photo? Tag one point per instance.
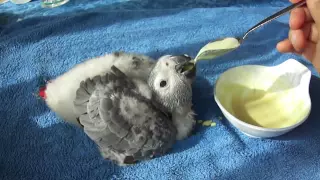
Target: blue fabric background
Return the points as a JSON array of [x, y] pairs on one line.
[[36, 144]]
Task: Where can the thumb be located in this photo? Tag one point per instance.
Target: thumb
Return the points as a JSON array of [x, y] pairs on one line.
[[314, 8]]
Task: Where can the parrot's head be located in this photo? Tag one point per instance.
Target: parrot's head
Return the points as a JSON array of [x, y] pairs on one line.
[[171, 81]]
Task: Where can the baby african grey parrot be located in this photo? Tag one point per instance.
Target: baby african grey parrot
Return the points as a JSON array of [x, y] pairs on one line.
[[130, 119], [60, 92]]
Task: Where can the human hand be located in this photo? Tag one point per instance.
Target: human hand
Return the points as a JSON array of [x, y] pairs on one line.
[[304, 37]]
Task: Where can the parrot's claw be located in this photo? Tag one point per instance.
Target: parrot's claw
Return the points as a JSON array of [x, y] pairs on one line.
[[129, 160]]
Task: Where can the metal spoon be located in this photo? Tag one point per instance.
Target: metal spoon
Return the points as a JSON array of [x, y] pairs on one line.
[[272, 17], [209, 52]]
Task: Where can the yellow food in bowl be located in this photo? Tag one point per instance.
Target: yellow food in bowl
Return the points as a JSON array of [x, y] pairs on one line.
[[262, 98]]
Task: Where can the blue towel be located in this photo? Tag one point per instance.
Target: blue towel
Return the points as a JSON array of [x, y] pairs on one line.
[[37, 145]]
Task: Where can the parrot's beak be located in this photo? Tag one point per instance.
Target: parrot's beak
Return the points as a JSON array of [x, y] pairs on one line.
[[187, 68]]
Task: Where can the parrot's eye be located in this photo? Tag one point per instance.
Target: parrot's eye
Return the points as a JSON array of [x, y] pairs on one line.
[[163, 83]]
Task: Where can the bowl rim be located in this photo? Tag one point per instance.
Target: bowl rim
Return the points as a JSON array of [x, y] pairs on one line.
[[250, 125]]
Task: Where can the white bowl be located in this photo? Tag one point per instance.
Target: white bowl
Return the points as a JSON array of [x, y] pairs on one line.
[[264, 101]]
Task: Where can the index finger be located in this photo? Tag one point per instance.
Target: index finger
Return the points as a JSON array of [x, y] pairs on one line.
[[299, 17]]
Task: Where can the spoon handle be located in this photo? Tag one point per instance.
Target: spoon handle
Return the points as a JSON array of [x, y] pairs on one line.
[[274, 16]]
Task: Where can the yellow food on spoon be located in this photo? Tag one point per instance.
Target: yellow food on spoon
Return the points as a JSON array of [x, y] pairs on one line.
[[217, 48], [214, 49]]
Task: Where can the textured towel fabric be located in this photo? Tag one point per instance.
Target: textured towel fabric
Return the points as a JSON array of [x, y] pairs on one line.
[[34, 8], [37, 145]]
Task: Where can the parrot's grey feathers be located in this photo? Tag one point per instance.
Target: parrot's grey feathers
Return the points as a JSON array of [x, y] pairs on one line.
[[117, 72], [111, 119], [85, 120], [97, 79], [118, 118], [104, 79], [82, 94]]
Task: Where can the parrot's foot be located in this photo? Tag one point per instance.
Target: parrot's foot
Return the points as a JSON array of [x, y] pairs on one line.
[[118, 158], [129, 160], [126, 160]]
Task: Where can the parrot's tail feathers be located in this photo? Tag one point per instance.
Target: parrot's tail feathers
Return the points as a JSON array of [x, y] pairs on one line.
[[41, 93]]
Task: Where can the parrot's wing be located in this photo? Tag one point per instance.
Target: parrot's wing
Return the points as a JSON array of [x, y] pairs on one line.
[[115, 116]]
